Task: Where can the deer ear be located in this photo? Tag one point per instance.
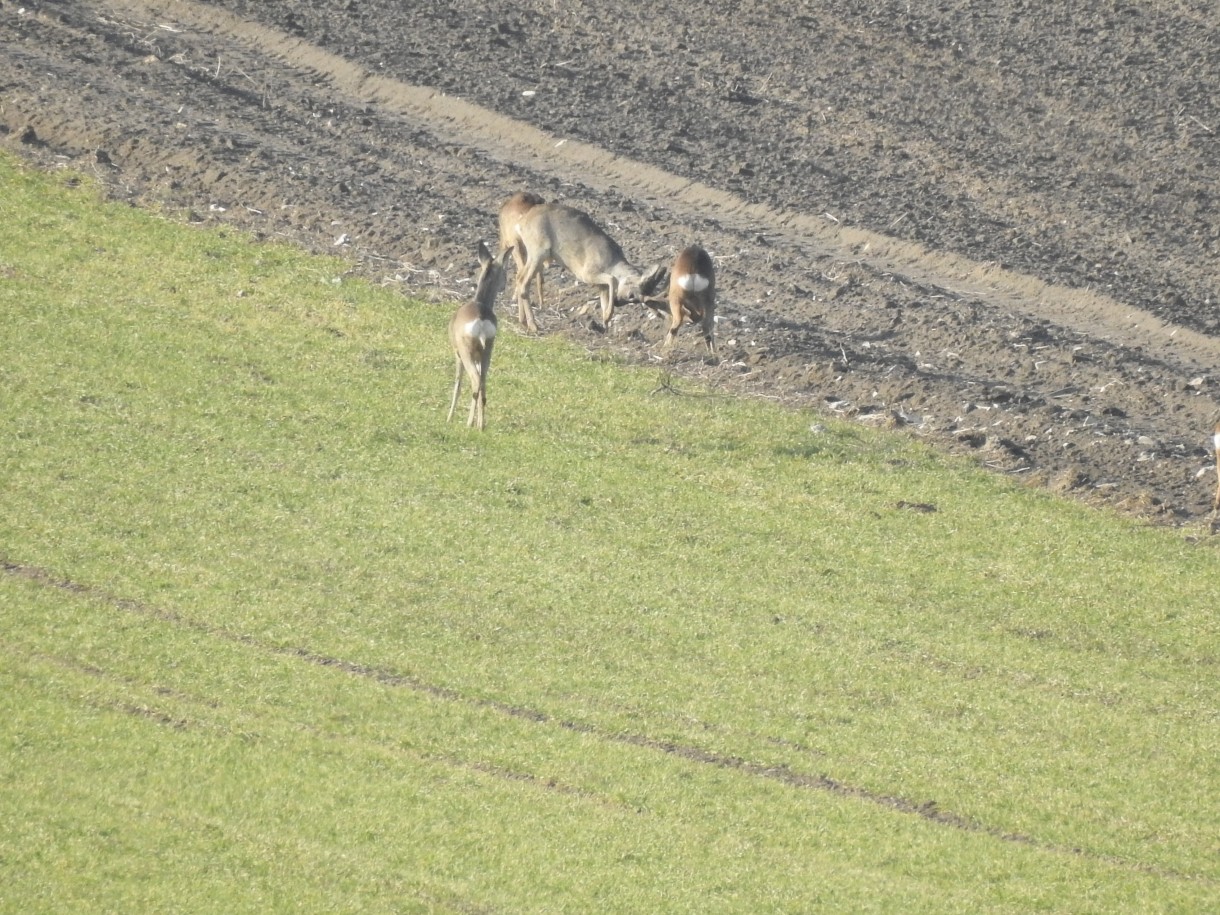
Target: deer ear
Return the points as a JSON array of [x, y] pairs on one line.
[[484, 253], [504, 255]]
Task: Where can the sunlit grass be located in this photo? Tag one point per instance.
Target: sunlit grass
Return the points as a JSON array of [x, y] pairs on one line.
[[275, 635]]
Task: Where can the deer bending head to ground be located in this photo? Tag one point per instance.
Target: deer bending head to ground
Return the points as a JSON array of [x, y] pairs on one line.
[[511, 212], [555, 233], [472, 331], [692, 295]]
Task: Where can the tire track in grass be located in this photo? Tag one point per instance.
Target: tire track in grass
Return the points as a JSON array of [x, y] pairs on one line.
[[929, 811], [149, 709], [437, 898]]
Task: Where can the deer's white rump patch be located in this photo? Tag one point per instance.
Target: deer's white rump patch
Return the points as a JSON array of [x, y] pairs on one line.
[[693, 282], [479, 329]]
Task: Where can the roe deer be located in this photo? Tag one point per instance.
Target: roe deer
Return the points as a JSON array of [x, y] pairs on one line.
[[472, 330], [692, 295], [1216, 449], [555, 233], [511, 212]]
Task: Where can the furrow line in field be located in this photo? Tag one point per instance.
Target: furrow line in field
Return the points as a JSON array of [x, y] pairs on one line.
[[785, 775], [162, 707]]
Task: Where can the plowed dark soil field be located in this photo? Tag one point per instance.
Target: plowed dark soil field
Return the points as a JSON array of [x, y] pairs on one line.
[[995, 225]]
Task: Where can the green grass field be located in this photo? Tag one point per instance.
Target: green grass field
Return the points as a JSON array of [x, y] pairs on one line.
[[275, 637]]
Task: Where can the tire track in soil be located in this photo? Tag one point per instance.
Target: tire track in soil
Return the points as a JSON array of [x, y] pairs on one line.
[[929, 811], [572, 161], [1067, 388]]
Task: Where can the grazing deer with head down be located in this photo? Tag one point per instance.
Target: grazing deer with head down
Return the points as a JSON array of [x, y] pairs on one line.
[[472, 330], [555, 233], [511, 212], [692, 295]]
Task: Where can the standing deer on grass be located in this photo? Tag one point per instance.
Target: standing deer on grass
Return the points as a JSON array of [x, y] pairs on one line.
[[1216, 450], [472, 330], [555, 233], [511, 212], [692, 295]]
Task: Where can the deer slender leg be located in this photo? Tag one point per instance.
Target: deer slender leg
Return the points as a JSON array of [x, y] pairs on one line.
[[608, 293], [709, 331], [457, 389], [525, 314]]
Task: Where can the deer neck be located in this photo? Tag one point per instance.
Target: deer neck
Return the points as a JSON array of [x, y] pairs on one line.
[[485, 297], [623, 271]]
